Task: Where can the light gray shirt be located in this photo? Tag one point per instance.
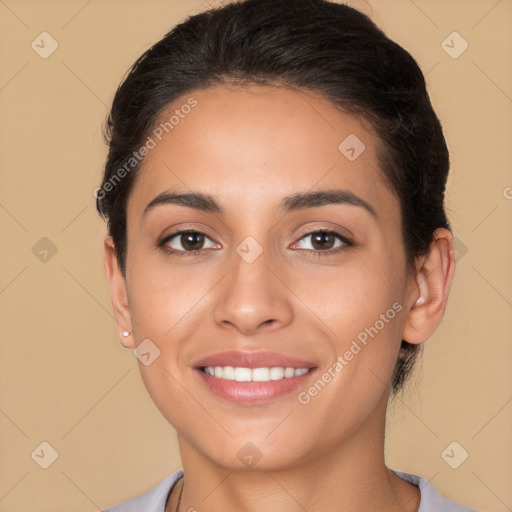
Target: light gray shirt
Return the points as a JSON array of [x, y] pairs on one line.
[[155, 499]]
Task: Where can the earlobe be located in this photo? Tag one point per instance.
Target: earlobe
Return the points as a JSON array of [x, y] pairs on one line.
[[429, 293], [118, 294]]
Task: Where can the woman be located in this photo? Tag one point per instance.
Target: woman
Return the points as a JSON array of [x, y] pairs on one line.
[[277, 253]]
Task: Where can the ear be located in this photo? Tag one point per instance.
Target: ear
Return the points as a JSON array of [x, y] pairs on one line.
[[118, 295], [431, 286]]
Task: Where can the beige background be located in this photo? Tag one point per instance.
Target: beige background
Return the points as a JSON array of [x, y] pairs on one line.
[[66, 380]]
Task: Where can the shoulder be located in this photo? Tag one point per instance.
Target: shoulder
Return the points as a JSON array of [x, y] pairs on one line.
[[152, 501], [431, 500]]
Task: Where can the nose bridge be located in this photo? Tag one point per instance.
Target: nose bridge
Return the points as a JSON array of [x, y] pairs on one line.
[[252, 295]]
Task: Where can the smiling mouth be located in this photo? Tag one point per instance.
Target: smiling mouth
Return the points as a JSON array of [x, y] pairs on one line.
[[264, 374]]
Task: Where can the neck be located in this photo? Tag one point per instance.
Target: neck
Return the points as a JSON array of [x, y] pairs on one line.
[[352, 477]]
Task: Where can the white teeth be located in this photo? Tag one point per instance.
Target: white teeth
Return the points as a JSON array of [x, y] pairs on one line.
[[289, 372], [228, 373], [276, 373], [243, 374], [254, 374], [261, 374]]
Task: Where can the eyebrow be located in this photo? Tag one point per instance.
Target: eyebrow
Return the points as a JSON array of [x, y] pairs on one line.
[[299, 201]]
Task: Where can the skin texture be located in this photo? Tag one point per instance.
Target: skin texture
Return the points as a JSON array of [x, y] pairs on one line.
[[249, 147]]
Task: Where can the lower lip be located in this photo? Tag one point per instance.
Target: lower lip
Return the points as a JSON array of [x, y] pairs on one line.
[[249, 393]]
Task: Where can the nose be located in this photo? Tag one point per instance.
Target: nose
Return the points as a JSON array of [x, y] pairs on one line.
[[253, 297]]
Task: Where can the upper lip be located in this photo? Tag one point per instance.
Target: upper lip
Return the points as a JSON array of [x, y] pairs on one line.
[[262, 359]]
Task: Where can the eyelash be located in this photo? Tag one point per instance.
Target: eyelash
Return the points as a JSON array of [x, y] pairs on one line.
[[315, 253]]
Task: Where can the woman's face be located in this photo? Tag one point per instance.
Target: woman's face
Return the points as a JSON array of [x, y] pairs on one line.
[[254, 293]]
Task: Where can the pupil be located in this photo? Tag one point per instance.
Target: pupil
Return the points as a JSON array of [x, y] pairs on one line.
[[191, 240], [320, 238]]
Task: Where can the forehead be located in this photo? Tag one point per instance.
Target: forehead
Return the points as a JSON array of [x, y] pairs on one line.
[[253, 145]]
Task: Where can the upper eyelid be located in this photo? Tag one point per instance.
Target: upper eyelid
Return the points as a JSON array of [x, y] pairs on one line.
[[340, 236], [167, 238], [335, 231]]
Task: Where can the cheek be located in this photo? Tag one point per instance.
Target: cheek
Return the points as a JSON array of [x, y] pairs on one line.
[[354, 295], [362, 305], [161, 294], [165, 308], [364, 314], [169, 394]]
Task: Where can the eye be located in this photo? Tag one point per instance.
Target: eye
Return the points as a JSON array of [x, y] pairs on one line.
[[191, 243], [188, 241], [324, 242]]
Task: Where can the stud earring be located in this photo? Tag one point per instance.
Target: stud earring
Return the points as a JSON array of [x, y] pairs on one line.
[[126, 333], [420, 301]]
